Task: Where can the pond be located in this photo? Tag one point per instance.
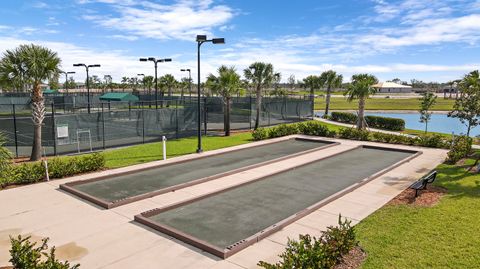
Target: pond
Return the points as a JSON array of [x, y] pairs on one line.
[[438, 123]]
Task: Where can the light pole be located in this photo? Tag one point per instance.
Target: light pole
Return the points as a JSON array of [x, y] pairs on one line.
[[155, 61], [88, 81], [200, 40], [66, 79], [189, 80]]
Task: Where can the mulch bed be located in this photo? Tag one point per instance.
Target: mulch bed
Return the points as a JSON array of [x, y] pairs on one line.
[[429, 197], [353, 259]]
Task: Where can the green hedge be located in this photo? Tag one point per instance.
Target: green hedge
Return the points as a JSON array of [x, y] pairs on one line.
[[306, 128], [318, 129], [378, 122], [57, 168]]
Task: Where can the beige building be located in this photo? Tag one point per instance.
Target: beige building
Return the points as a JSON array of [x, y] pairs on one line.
[[392, 87]]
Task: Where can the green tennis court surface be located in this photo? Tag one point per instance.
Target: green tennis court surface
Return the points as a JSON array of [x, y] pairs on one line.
[[236, 214], [143, 182]]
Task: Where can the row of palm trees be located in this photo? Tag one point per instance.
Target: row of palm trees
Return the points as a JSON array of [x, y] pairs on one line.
[[32, 64]]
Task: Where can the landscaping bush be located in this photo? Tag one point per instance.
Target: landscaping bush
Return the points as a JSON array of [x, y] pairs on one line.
[[323, 252], [385, 123], [355, 134], [378, 122], [393, 138], [260, 134], [57, 168], [282, 130], [432, 141], [24, 255], [315, 128], [461, 147], [344, 117]]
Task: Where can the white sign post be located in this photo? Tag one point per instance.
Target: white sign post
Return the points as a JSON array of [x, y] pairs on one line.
[[164, 140]]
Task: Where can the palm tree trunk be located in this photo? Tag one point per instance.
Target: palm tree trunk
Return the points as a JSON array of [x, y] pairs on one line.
[[361, 113], [227, 117], [258, 103], [38, 114], [468, 129], [327, 101], [426, 126]]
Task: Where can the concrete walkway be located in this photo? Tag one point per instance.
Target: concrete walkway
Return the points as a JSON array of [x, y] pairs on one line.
[[98, 238]]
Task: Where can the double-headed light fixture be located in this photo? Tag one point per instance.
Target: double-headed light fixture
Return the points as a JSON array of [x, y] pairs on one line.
[[189, 80], [200, 40], [66, 79], [87, 67], [155, 61]]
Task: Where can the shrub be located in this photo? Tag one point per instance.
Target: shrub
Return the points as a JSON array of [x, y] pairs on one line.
[[355, 134], [385, 123], [24, 254], [260, 134], [57, 168], [323, 252], [345, 117], [378, 122], [282, 130], [315, 128], [431, 141], [5, 154], [461, 147]]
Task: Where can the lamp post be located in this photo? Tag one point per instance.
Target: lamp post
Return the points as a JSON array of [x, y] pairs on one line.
[[87, 67], [66, 79], [155, 61], [189, 80], [200, 40]]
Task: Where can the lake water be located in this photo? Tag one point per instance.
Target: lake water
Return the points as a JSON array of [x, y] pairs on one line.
[[438, 123]]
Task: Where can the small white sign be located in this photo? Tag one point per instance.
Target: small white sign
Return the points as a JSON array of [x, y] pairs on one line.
[[62, 131]]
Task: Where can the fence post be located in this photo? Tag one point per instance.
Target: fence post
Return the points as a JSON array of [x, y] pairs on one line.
[[176, 119], [15, 129], [205, 115], [143, 123], [250, 109], [53, 130], [103, 126]]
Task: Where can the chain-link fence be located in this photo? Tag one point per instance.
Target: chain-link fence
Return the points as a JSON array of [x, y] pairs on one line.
[[69, 128]]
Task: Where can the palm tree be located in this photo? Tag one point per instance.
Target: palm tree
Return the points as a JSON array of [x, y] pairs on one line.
[[361, 88], [167, 81], [32, 64], [313, 83], [226, 84], [260, 75], [329, 79], [124, 82]]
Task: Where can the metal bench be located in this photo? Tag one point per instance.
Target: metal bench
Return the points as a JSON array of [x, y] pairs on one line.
[[421, 184]]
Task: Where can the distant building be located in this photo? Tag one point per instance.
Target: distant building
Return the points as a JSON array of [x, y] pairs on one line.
[[392, 87]]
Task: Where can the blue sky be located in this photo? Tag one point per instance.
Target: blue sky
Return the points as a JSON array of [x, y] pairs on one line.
[[428, 40]]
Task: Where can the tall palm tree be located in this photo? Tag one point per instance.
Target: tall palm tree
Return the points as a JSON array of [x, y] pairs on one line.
[[125, 81], [311, 82], [226, 84], [260, 75], [33, 64], [329, 79], [361, 88], [167, 81]]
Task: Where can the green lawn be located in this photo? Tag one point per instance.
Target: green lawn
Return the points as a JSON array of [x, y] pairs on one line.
[[442, 236], [383, 104], [153, 151]]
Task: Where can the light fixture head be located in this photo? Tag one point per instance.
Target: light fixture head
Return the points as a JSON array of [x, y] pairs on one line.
[[201, 38], [218, 40], [167, 60], [143, 59], [71, 72], [78, 65], [151, 59]]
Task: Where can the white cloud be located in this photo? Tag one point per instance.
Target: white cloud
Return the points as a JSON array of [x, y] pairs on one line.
[[182, 20]]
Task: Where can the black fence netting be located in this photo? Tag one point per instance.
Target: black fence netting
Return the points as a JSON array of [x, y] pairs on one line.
[[69, 128]]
